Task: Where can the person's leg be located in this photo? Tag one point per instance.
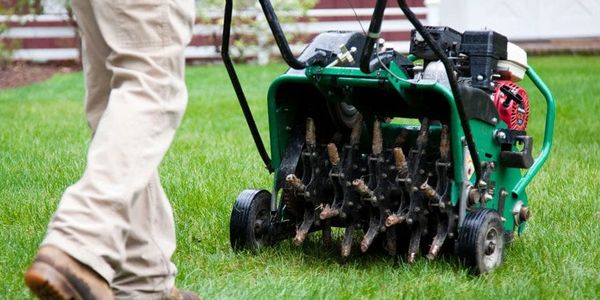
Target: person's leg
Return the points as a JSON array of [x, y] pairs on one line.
[[54, 273], [95, 51], [147, 271], [98, 220]]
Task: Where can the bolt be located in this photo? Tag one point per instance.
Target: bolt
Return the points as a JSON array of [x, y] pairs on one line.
[[500, 136], [524, 214], [488, 197], [474, 196]]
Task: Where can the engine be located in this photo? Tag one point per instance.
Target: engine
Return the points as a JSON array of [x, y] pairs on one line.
[[484, 60]]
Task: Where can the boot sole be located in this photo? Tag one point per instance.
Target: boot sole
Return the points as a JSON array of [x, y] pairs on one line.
[[47, 283]]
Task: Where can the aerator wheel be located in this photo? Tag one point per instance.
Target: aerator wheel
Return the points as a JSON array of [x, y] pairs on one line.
[[250, 218], [481, 240]]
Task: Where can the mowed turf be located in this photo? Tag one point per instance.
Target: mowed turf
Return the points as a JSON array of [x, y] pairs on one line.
[[43, 141]]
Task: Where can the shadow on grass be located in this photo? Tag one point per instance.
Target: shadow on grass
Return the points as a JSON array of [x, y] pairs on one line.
[[313, 254]]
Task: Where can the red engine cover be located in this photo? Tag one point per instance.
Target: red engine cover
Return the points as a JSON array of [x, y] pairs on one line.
[[512, 103]]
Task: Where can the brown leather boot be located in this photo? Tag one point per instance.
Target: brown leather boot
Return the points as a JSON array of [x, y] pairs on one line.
[[56, 275], [182, 295]]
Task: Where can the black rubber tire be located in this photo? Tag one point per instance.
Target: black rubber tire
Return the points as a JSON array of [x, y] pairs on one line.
[[481, 241], [250, 220]]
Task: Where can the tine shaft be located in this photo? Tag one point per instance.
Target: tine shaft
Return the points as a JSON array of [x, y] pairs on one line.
[[356, 131], [326, 235], [391, 244], [415, 241], [347, 242]]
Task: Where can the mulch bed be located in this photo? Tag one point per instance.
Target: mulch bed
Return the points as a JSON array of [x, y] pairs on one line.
[[22, 73]]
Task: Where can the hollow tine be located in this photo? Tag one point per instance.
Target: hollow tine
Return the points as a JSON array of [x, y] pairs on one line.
[[311, 138], [332, 153], [302, 231], [377, 138], [444, 144], [370, 235], [423, 132], [438, 241], [361, 187], [295, 182], [394, 219], [328, 212], [400, 160]]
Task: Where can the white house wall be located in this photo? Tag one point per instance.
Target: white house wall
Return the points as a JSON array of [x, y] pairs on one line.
[[525, 19]]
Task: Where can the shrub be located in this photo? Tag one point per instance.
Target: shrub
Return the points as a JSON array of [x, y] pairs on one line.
[[250, 34]]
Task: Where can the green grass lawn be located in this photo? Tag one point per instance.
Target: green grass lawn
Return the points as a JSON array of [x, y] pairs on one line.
[[43, 141]]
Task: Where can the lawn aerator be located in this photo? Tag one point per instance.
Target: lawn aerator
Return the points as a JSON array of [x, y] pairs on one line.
[[425, 152]]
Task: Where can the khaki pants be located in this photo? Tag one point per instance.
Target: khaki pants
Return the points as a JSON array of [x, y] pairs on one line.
[[116, 218]]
